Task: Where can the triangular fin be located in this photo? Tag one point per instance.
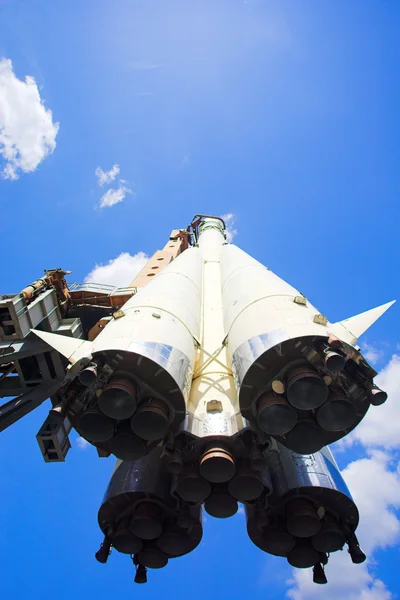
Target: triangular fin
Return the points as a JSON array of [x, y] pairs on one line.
[[359, 324], [65, 345]]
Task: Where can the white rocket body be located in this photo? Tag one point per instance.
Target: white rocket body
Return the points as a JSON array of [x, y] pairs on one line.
[[213, 406], [256, 302]]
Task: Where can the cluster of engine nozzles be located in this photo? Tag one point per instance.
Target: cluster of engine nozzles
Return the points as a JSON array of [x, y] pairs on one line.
[[153, 535], [301, 410], [295, 507], [300, 534], [220, 482], [306, 405], [121, 420], [155, 529]]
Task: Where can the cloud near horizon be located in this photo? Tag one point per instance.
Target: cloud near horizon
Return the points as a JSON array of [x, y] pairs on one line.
[[119, 271]]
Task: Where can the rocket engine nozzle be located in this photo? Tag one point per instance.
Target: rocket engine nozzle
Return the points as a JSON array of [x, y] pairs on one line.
[[141, 574], [306, 390], [104, 551], [151, 420], [275, 415], [217, 465], [118, 400]]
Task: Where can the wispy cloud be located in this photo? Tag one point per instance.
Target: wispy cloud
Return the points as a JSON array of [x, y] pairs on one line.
[[82, 443], [372, 353], [106, 177], [231, 232], [114, 195], [27, 131]]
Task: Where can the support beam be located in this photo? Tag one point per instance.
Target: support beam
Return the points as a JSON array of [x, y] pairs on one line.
[[12, 351], [18, 407]]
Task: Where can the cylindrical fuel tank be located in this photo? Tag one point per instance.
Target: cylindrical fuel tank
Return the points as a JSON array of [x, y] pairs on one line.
[[148, 351], [315, 477], [310, 509], [282, 359], [140, 516], [214, 429], [133, 481]]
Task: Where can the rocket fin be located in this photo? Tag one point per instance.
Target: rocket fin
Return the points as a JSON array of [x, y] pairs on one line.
[[71, 348], [359, 324]]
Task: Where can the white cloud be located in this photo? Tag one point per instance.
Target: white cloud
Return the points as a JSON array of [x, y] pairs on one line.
[[114, 196], [119, 271], [82, 443], [27, 131], [379, 528], [380, 427], [371, 353], [105, 177], [345, 580], [375, 487], [230, 219], [374, 482]]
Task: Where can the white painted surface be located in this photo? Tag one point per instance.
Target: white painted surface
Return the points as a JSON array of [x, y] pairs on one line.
[[166, 311], [357, 325], [213, 378], [256, 301]]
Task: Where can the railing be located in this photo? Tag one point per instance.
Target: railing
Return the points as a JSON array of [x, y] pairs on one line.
[[100, 288]]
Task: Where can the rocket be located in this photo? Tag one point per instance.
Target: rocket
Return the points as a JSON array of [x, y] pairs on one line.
[[218, 383]]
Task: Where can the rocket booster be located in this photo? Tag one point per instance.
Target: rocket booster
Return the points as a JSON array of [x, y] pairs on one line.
[[299, 377], [139, 516], [310, 512], [138, 370]]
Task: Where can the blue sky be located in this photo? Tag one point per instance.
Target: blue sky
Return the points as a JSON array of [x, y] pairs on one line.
[[284, 114]]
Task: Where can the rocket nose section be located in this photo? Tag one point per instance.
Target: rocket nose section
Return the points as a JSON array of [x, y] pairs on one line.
[[359, 324], [72, 348]]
